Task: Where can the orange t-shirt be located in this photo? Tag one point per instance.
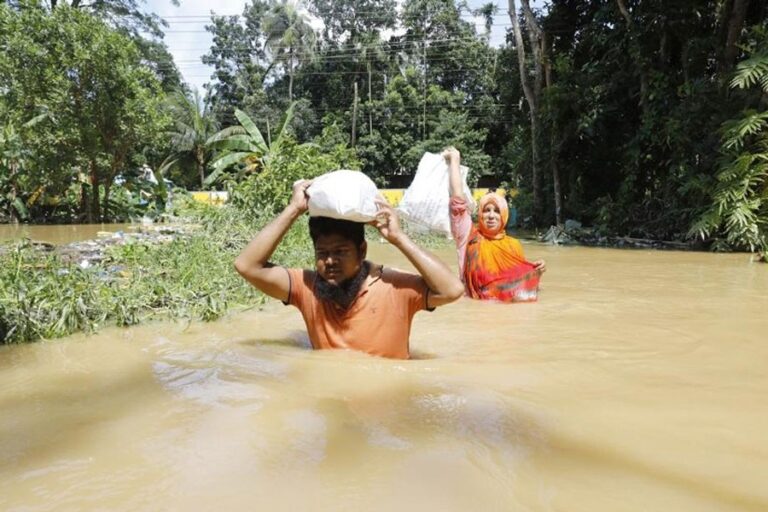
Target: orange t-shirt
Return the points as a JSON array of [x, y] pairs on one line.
[[377, 322]]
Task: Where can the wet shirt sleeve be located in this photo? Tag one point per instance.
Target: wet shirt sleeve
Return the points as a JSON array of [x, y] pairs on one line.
[[411, 291], [300, 287]]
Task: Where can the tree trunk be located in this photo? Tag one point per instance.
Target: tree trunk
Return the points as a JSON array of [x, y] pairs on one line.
[[738, 14], [424, 102], [15, 216], [105, 200], [532, 108], [85, 212], [117, 164], [370, 102], [536, 38], [636, 55], [290, 76], [94, 213], [354, 119], [553, 143], [200, 162]]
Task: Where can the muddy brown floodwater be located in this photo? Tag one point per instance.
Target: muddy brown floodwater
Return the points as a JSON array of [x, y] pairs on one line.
[[58, 234], [638, 383]]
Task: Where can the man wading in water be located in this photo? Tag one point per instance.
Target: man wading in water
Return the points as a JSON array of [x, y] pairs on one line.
[[349, 302]]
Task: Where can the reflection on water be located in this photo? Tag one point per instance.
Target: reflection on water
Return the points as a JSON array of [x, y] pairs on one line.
[[638, 382]]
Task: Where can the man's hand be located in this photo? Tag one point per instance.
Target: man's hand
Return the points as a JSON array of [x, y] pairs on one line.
[[299, 198], [387, 222], [540, 265], [444, 286], [451, 154]]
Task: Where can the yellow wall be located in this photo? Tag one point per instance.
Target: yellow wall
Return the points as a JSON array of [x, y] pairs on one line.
[[214, 198]]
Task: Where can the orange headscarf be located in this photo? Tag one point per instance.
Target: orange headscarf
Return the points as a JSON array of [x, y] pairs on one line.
[[495, 266]]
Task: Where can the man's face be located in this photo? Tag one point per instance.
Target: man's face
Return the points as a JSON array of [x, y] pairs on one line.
[[337, 259]]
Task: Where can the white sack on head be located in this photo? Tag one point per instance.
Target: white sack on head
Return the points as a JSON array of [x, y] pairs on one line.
[[347, 195], [426, 201]]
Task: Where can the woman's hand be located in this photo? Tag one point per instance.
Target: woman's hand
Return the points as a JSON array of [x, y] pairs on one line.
[[299, 198], [451, 154], [387, 222], [540, 265]]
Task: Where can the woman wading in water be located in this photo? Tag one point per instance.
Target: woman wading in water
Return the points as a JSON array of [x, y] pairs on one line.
[[492, 265]]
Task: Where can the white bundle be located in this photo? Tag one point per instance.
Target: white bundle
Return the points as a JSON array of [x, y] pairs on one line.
[[344, 194], [426, 201]]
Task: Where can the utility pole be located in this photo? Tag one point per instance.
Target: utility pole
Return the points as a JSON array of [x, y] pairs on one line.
[[354, 118], [424, 102]]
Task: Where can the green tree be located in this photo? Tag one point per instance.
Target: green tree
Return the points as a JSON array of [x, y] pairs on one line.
[[124, 14], [289, 38], [239, 61], [193, 124], [104, 103], [349, 20]]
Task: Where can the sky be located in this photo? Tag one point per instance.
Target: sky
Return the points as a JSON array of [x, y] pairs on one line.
[[188, 41]]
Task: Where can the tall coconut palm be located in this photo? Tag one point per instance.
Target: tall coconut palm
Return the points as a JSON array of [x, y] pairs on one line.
[[194, 124], [370, 50], [289, 38], [487, 12]]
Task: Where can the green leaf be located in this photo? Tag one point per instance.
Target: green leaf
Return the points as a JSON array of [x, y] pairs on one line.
[[228, 159], [252, 129]]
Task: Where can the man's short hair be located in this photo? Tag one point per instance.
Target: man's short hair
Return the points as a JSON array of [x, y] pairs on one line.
[[352, 231]]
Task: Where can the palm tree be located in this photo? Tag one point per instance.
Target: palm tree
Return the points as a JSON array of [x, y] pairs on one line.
[[487, 12], [193, 126], [370, 50], [244, 144], [290, 38]]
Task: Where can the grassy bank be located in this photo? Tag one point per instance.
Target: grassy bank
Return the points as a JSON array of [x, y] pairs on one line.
[[189, 277]]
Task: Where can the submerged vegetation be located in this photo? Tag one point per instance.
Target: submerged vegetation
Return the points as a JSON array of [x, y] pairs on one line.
[[189, 277]]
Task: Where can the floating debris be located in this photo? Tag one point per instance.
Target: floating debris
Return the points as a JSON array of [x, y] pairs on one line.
[[574, 234]]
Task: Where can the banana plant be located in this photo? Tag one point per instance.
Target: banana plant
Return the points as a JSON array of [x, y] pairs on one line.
[[244, 145], [14, 157]]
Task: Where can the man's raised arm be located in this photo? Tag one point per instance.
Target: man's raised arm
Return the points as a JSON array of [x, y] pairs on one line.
[[443, 285], [253, 263]]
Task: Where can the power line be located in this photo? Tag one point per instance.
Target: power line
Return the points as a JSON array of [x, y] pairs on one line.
[[386, 48], [208, 31], [367, 14], [337, 60]]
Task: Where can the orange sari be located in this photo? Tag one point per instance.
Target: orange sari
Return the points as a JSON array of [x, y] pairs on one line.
[[495, 267]]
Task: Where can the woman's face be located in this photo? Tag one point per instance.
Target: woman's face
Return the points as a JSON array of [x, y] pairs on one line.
[[491, 216]]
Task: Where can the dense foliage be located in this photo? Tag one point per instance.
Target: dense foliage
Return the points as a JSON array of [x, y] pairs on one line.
[[102, 109], [616, 113]]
